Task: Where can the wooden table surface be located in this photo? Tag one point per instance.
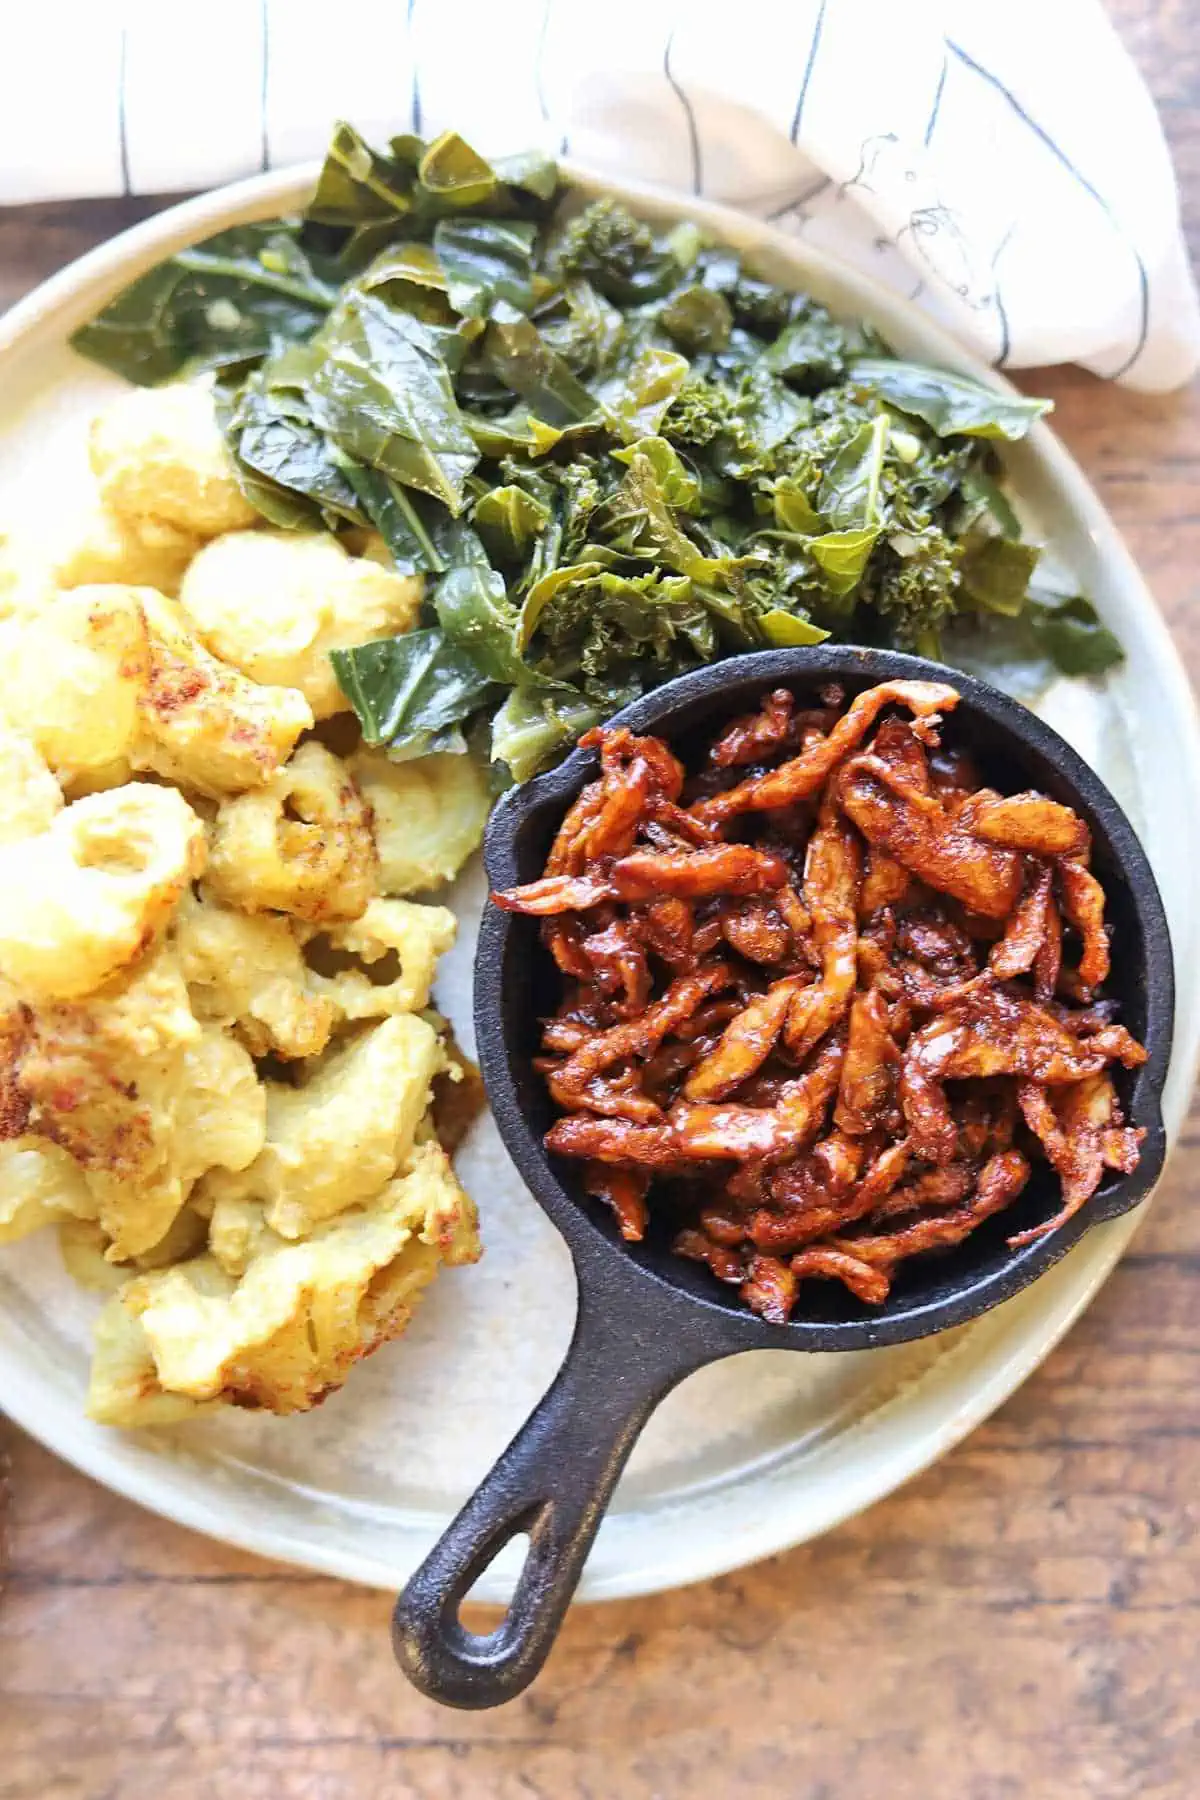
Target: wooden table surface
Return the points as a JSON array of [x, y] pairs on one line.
[[1022, 1620]]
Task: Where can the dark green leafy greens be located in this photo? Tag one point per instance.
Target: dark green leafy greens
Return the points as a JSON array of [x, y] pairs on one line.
[[952, 405], [614, 453], [1062, 633], [382, 392], [230, 300], [413, 692], [287, 466]]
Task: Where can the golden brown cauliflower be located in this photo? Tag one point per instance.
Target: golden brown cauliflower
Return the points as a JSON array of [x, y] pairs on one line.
[[300, 844], [204, 725], [85, 897], [106, 677], [141, 1097], [245, 973], [98, 546], [89, 546], [396, 943], [71, 677], [259, 1228], [39, 1185], [102, 1078], [288, 1329], [158, 454], [30, 798], [333, 1142], [275, 603], [429, 816]]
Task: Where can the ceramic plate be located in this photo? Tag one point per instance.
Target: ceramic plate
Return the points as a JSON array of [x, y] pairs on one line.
[[749, 1456]]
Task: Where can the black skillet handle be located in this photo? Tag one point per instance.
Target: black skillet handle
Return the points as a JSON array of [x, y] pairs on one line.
[[554, 1481]]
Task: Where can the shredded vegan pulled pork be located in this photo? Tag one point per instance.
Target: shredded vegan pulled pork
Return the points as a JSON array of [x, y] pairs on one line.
[[828, 998]]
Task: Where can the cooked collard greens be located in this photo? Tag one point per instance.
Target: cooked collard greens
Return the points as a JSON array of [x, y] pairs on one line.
[[614, 452]]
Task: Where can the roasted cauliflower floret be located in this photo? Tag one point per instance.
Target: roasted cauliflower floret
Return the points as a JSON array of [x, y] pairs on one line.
[[86, 896], [84, 1247], [334, 1142], [158, 454], [204, 724], [399, 941], [300, 844], [96, 545], [275, 603], [238, 1231], [103, 1079], [106, 676], [245, 972], [221, 1114], [124, 1389], [30, 798], [25, 579], [289, 1330], [72, 676], [88, 546], [39, 1184], [429, 816], [141, 1100]]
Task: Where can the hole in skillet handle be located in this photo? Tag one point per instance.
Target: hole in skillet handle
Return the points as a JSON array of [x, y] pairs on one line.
[[553, 1484], [1016, 750]]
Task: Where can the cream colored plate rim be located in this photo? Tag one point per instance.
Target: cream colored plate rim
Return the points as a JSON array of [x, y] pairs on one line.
[[774, 1510]]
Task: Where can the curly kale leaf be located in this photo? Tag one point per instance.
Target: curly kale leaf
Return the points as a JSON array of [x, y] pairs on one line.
[[914, 585], [618, 254], [598, 624], [704, 413]]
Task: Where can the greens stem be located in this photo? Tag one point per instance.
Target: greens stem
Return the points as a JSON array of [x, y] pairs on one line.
[[202, 262]]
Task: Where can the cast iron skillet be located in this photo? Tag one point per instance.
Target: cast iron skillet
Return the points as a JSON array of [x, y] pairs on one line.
[[646, 1318]]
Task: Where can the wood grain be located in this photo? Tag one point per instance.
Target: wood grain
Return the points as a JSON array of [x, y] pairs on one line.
[[1022, 1621]]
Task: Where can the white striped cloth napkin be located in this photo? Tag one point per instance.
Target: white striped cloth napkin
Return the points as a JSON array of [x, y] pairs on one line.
[[1002, 164]]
